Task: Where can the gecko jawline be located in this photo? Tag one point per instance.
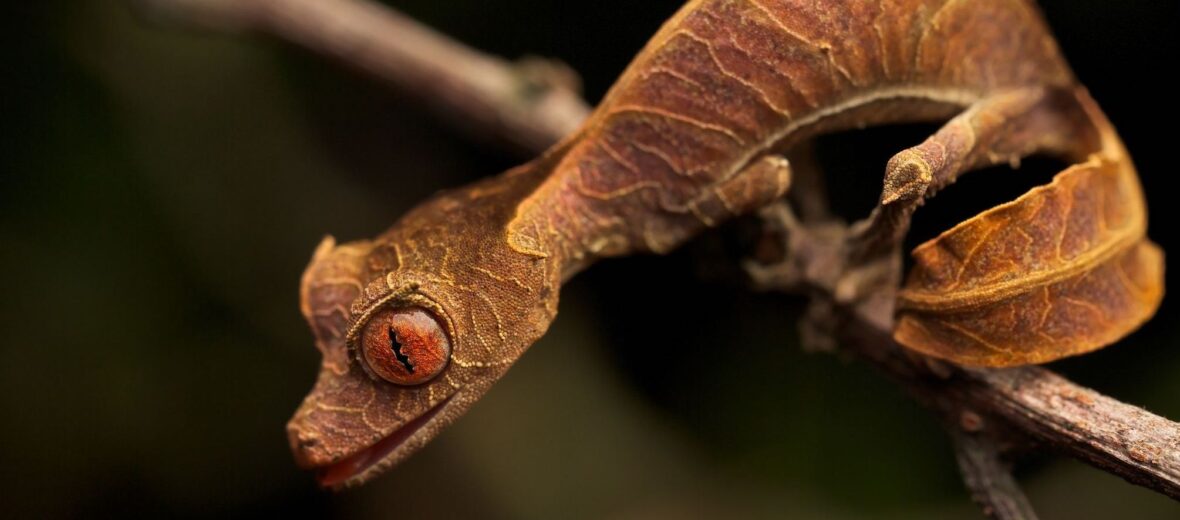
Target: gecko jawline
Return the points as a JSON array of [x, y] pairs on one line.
[[343, 472]]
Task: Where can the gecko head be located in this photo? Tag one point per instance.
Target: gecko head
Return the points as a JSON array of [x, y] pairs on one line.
[[414, 327]]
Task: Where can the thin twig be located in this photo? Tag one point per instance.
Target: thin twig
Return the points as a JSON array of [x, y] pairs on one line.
[[490, 96], [988, 478], [528, 105]]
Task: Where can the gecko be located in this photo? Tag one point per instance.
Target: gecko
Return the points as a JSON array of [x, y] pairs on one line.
[[415, 325]]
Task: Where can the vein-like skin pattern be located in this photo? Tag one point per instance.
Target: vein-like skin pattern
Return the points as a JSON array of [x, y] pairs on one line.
[[683, 141]]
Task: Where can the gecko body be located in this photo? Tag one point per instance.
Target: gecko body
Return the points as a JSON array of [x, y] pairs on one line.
[[690, 136]]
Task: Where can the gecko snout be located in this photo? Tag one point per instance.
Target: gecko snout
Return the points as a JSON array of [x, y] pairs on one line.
[[306, 447]]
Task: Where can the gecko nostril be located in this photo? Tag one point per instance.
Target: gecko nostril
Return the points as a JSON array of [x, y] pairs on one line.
[[303, 440]]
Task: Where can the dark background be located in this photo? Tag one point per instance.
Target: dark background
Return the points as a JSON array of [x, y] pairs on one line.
[[162, 190]]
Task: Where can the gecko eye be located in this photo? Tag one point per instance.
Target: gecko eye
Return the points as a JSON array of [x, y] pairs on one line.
[[406, 346]]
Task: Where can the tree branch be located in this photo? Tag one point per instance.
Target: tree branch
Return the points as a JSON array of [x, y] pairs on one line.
[[528, 105], [1125, 440], [1031, 403], [491, 97]]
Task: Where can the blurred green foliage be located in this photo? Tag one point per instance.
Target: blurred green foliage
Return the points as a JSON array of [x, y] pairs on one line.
[[161, 192]]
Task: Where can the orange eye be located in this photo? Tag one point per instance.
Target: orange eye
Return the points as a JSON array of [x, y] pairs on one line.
[[405, 346]]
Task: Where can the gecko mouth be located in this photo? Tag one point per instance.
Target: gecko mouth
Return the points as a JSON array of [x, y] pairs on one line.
[[357, 465]]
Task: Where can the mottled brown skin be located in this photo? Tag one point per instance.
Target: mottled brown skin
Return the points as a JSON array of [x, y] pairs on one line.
[[688, 137]]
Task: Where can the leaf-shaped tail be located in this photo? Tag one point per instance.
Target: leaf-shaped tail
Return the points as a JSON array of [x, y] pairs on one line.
[[1063, 270]]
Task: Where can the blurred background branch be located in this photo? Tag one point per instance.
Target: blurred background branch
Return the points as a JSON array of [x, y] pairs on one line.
[[526, 104]]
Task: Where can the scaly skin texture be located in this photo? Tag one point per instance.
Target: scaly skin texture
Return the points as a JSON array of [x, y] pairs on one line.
[[688, 137]]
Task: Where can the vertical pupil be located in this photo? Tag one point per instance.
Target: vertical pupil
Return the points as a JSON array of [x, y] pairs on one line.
[[397, 351]]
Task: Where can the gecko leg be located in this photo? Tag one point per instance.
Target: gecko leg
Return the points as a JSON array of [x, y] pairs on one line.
[[757, 184], [1002, 128]]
